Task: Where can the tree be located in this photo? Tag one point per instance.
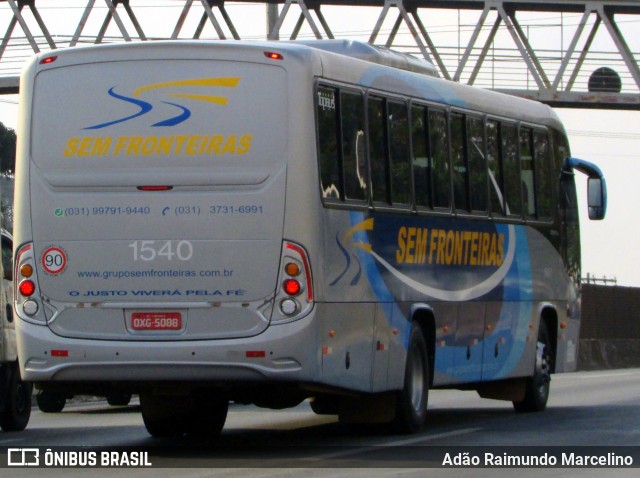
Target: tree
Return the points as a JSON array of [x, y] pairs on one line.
[[7, 150]]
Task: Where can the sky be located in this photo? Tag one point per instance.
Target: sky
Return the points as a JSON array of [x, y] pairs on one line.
[[611, 139]]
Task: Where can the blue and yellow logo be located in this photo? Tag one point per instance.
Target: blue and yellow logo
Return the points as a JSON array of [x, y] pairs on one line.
[[454, 261], [162, 145]]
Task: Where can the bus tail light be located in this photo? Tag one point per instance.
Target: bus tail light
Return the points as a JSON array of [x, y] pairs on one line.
[[294, 297], [26, 295], [27, 288], [292, 287]]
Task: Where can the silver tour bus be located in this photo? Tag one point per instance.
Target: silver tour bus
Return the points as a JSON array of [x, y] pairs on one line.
[[265, 223]]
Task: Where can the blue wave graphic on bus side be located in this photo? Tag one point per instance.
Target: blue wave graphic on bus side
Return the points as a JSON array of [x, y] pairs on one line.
[[509, 333], [184, 116], [143, 105], [347, 256]]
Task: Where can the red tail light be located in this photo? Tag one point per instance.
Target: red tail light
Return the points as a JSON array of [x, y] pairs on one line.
[[305, 263], [292, 287], [294, 296], [27, 288]]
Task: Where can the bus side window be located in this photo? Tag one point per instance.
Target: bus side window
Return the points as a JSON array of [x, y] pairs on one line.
[[328, 153], [527, 177], [459, 163], [477, 166], [354, 160], [511, 170], [398, 116], [494, 164], [439, 149], [542, 166], [377, 150], [420, 157]]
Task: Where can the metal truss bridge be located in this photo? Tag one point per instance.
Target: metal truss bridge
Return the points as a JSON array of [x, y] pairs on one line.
[[571, 53]]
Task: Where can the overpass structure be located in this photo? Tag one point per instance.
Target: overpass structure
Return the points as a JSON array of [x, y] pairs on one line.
[[574, 53]]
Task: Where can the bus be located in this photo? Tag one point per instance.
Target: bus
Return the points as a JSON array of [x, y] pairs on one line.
[[265, 223]]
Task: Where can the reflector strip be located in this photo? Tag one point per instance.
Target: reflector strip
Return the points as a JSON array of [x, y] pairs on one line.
[[59, 353], [24, 249], [155, 188], [255, 354]]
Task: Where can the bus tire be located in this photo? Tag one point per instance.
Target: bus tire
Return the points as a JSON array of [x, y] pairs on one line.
[[118, 399], [17, 410], [411, 401], [207, 415], [199, 415], [325, 405], [538, 385], [160, 416], [50, 402]]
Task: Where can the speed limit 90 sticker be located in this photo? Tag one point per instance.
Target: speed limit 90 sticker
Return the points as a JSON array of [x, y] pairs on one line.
[[54, 260]]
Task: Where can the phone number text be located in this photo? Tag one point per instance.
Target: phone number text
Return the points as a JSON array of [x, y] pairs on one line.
[[104, 211]]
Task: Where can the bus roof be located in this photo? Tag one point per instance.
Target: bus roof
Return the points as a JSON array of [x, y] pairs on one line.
[[374, 54], [338, 60]]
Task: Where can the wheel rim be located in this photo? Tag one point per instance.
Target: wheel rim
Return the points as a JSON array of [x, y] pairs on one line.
[[417, 380]]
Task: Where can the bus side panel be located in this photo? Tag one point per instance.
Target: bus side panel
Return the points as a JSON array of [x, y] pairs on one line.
[[487, 307], [347, 352]]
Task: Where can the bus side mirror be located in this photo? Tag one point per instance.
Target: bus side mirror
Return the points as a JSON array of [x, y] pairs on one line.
[[596, 198], [596, 186]]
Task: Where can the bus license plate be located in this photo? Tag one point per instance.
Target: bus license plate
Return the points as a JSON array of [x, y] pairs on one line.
[[156, 321]]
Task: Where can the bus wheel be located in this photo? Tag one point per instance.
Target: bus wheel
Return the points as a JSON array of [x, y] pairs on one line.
[[538, 385], [50, 402], [160, 417], [118, 399], [207, 415], [411, 401], [200, 415], [15, 416]]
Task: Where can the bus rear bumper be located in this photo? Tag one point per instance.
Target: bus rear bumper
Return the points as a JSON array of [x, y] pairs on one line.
[[286, 352]]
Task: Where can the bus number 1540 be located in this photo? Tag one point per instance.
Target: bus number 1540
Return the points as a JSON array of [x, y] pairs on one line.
[[148, 250]]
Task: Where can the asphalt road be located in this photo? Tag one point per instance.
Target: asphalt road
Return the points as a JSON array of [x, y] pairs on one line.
[[592, 411]]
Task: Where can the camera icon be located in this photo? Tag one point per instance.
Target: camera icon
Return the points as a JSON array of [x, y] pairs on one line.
[[23, 457]]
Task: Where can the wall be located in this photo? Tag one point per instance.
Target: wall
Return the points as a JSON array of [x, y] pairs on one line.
[[610, 331]]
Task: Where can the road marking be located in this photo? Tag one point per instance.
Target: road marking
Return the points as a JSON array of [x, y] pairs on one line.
[[408, 441]]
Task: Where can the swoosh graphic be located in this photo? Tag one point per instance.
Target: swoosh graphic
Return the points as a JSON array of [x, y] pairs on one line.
[[356, 278], [220, 100], [347, 257], [470, 293], [227, 82], [143, 105], [176, 119]]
